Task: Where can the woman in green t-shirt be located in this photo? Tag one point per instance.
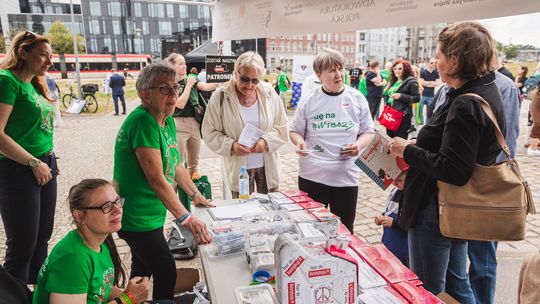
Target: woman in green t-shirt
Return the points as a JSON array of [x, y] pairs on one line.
[[188, 128], [85, 267], [27, 164], [402, 90]]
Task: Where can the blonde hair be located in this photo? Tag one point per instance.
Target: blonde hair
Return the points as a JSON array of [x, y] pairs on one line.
[[249, 59], [327, 59], [172, 58], [14, 62]]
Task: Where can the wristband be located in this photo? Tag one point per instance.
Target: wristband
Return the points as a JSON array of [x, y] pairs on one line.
[[130, 297], [186, 220], [184, 217], [126, 298], [194, 195], [119, 301]]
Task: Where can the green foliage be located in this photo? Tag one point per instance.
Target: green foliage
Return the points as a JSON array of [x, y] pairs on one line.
[[511, 51], [62, 39], [2, 44]]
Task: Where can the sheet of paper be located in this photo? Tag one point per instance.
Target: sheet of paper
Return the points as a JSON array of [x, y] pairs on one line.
[[250, 135], [367, 276], [380, 296], [308, 230], [290, 207], [235, 211]]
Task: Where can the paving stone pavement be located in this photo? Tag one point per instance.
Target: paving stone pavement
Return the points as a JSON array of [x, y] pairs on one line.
[[85, 147]]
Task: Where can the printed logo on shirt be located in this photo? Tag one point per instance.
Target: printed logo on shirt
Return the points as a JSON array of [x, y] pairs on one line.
[[171, 159], [346, 103], [326, 122], [108, 281], [46, 113]]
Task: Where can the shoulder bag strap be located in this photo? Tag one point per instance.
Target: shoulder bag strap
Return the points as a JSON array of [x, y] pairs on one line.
[[498, 133], [530, 208]]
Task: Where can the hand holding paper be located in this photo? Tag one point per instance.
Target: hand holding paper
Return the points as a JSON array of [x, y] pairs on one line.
[[250, 135]]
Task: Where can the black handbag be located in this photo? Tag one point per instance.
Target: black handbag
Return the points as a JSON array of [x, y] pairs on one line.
[[200, 108], [181, 242]]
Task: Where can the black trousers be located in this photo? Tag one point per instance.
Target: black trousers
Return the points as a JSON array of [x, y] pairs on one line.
[[27, 210], [403, 130], [342, 200], [374, 104], [150, 256]]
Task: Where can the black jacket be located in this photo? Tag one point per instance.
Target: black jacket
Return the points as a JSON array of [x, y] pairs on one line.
[[410, 93], [458, 135]]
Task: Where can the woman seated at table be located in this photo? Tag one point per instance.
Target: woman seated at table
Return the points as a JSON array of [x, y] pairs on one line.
[[243, 100], [333, 124], [84, 267], [147, 167]]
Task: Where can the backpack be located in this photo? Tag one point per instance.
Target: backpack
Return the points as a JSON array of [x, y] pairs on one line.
[[181, 242], [13, 290]]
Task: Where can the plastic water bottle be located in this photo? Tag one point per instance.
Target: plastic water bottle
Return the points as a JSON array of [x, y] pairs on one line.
[[243, 184]]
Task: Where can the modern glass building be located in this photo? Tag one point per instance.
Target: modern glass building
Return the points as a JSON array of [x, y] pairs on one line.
[[147, 27], [38, 15]]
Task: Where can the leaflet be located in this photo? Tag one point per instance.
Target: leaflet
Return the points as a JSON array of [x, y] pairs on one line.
[[378, 164], [250, 135]]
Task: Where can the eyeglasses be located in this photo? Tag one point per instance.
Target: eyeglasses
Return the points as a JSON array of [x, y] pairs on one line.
[[397, 69], [165, 89], [246, 79], [107, 207]]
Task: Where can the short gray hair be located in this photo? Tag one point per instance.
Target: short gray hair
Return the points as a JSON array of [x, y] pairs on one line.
[[250, 59], [327, 59], [151, 72]]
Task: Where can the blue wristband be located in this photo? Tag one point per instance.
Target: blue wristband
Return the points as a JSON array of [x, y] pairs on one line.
[[184, 217], [261, 276]]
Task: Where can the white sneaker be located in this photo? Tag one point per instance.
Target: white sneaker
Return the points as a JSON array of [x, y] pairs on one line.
[[532, 152]]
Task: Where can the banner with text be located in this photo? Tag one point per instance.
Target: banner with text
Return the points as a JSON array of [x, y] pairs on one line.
[[219, 68], [240, 19]]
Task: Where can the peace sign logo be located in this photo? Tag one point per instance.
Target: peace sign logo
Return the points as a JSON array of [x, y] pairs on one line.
[[322, 294]]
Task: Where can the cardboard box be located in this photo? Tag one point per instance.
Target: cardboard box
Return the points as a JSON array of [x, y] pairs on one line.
[[186, 278]]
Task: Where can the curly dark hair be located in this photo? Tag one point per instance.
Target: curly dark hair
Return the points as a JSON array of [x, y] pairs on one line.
[[407, 71]]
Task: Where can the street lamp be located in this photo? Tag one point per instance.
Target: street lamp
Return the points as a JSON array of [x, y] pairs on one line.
[[138, 32]]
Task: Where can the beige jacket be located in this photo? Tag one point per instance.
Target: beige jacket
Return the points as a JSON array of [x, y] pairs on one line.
[[223, 124], [529, 280]]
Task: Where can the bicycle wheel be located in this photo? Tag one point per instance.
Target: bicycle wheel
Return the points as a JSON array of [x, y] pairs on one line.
[[66, 100], [91, 104]]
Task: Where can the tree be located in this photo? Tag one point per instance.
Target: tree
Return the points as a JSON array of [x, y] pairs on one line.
[[62, 39], [2, 43], [511, 51]]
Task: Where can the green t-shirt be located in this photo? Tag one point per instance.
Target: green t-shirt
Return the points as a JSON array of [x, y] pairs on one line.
[[392, 90], [282, 82], [143, 211], [73, 268], [193, 100], [346, 77], [363, 86], [31, 121]]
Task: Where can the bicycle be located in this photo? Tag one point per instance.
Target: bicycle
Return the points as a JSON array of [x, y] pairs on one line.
[[88, 91]]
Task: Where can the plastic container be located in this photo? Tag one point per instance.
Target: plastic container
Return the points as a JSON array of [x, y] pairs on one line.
[[256, 294]]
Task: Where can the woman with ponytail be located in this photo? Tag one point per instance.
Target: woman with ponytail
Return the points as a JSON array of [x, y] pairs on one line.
[[85, 267], [27, 163]]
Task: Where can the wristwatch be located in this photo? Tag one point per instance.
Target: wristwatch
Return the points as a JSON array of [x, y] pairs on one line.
[[34, 162]]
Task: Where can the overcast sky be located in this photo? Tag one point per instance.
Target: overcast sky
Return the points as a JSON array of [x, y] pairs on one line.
[[521, 29]]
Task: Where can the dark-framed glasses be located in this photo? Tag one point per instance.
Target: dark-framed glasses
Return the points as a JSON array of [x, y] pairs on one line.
[[165, 89], [107, 207], [246, 79], [397, 69]]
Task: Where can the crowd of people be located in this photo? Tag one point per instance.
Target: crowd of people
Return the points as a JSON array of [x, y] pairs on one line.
[[332, 124]]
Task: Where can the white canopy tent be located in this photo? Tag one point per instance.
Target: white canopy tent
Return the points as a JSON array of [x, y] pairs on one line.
[[247, 19]]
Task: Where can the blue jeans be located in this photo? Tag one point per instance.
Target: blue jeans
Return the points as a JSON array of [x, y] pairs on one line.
[[424, 101], [440, 262], [115, 99], [483, 270]]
